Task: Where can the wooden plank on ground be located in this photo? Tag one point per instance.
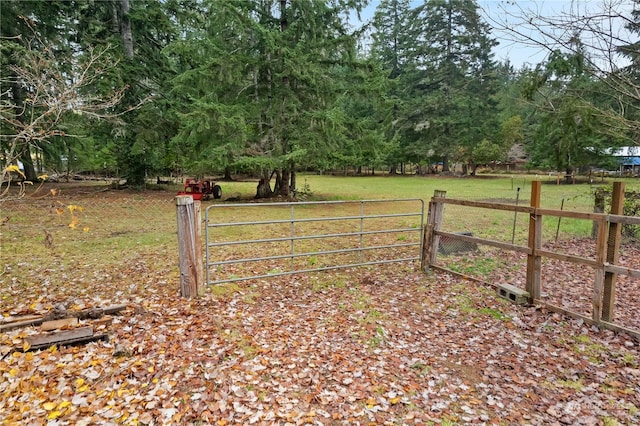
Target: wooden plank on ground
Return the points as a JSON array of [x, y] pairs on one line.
[[105, 320], [8, 320], [98, 312], [56, 324], [20, 324], [46, 340], [70, 342]]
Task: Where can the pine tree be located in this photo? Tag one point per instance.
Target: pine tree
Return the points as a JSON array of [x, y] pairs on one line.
[[449, 104]]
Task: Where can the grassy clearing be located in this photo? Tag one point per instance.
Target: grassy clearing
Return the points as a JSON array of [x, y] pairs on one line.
[[488, 223], [115, 226]]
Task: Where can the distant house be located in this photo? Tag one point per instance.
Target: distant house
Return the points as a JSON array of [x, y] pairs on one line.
[[629, 159]]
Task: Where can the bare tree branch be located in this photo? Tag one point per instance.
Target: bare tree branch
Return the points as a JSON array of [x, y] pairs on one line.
[[54, 90]]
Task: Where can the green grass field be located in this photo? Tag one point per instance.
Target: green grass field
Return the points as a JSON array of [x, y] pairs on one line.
[[492, 188], [578, 197]]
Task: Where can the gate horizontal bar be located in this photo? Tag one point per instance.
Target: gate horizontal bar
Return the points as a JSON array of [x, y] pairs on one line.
[[304, 271], [315, 203], [312, 237], [314, 219], [311, 253]]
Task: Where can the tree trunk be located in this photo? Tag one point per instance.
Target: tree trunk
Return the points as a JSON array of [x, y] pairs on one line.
[[27, 163], [264, 186], [227, 174], [276, 187], [293, 186], [125, 28], [569, 175], [445, 163], [283, 190]]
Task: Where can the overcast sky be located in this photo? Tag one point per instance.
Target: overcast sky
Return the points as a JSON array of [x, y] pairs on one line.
[[499, 12]]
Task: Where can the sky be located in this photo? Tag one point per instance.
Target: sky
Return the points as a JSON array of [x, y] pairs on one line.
[[498, 13]]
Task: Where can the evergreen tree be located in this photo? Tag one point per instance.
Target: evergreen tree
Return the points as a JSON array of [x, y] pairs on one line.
[[262, 94], [449, 105], [571, 131]]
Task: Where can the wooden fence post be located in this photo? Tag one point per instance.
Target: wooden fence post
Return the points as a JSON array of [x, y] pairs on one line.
[[534, 261], [189, 247], [434, 223], [613, 252]]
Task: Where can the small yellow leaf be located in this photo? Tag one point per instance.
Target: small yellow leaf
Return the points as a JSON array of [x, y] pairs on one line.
[[83, 388], [63, 405], [25, 346], [150, 369], [16, 169], [85, 229], [79, 382], [394, 401], [43, 177], [54, 415], [49, 405], [13, 372]]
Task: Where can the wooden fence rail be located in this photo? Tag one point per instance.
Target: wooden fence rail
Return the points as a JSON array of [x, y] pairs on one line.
[[605, 262]]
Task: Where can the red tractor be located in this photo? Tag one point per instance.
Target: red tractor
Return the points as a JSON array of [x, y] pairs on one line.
[[201, 189]]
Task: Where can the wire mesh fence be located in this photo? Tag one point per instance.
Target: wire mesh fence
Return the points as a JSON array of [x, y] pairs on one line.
[[102, 230]]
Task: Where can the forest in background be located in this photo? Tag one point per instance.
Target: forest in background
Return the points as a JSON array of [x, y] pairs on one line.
[[268, 88]]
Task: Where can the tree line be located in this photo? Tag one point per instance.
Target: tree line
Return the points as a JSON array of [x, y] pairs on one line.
[[271, 87]]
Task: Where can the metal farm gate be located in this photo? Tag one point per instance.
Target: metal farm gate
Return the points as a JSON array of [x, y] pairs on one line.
[[259, 240]]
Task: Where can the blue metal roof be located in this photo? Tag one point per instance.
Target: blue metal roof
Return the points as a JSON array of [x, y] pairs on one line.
[[630, 161]]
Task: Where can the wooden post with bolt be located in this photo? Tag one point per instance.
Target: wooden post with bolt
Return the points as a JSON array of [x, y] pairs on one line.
[[189, 246]]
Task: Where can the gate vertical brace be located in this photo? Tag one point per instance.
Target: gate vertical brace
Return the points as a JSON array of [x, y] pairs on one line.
[[534, 261], [293, 232], [207, 277], [613, 252], [361, 231], [197, 205]]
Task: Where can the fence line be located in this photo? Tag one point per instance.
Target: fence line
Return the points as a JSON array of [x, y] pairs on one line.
[[605, 263]]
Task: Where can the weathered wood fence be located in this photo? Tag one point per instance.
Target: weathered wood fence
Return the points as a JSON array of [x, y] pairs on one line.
[[605, 263]]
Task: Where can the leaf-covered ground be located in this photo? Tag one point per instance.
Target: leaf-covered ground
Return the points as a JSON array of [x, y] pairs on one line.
[[386, 345]]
